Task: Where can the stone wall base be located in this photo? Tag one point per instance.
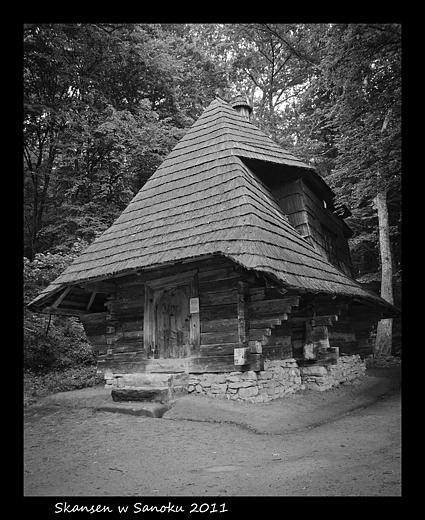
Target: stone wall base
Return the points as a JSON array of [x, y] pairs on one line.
[[278, 378], [317, 377]]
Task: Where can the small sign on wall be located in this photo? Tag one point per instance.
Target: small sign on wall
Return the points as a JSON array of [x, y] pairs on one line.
[[241, 356], [194, 305]]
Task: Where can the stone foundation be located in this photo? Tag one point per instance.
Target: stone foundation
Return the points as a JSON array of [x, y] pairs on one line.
[[278, 378], [317, 377]]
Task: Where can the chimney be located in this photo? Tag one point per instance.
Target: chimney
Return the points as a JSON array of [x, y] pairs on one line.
[[241, 105]]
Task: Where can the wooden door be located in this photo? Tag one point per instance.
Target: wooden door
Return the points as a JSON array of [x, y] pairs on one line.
[[172, 324]]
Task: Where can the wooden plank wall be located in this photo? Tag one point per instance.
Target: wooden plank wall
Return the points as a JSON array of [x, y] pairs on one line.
[[318, 215], [118, 334], [290, 198], [306, 212], [223, 288]]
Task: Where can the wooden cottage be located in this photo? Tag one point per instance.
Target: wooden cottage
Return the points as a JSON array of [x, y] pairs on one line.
[[231, 259]]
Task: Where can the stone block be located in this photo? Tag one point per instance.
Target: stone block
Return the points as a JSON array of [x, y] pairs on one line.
[[321, 380], [233, 378], [218, 388], [278, 373], [140, 394], [146, 379], [249, 375], [313, 370], [241, 384], [248, 392], [264, 374]]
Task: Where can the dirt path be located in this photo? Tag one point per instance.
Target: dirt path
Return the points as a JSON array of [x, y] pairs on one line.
[[204, 447]]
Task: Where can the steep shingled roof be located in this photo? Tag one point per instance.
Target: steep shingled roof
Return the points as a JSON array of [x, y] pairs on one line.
[[204, 200]]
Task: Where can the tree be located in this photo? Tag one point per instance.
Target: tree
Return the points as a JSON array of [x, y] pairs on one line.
[[384, 332], [103, 105], [348, 83], [363, 71], [259, 63]]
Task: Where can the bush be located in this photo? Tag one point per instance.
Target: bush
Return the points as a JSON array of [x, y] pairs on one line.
[[55, 342], [37, 386], [63, 345], [57, 355]]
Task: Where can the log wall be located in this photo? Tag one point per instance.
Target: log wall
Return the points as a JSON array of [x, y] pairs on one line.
[[118, 334], [237, 310]]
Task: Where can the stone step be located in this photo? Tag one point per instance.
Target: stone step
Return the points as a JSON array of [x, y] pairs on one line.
[[155, 410], [148, 393]]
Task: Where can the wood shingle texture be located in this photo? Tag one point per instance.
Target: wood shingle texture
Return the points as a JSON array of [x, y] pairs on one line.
[[205, 200]]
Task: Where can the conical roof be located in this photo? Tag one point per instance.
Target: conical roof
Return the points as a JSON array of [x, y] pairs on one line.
[[205, 200]]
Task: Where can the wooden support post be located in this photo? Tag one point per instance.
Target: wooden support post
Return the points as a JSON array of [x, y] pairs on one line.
[[242, 312], [309, 350], [91, 300], [60, 298]]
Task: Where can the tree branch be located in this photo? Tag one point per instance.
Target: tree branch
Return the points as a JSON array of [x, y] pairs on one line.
[[270, 30]]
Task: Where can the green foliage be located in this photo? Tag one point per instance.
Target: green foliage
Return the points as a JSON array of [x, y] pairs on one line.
[[37, 385], [362, 73], [103, 106], [324, 91], [55, 342]]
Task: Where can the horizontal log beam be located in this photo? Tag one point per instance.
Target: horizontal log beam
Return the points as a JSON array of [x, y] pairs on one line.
[[259, 334], [219, 325], [209, 338], [315, 320], [272, 308], [99, 287], [224, 364], [265, 323], [219, 349], [64, 312], [218, 298]]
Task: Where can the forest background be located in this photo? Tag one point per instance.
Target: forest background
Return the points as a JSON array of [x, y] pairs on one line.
[[104, 104]]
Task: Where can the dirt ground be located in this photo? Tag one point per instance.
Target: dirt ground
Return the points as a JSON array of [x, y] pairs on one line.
[[343, 442]]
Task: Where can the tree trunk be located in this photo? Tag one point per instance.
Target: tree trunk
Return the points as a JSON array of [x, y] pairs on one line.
[[384, 333]]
